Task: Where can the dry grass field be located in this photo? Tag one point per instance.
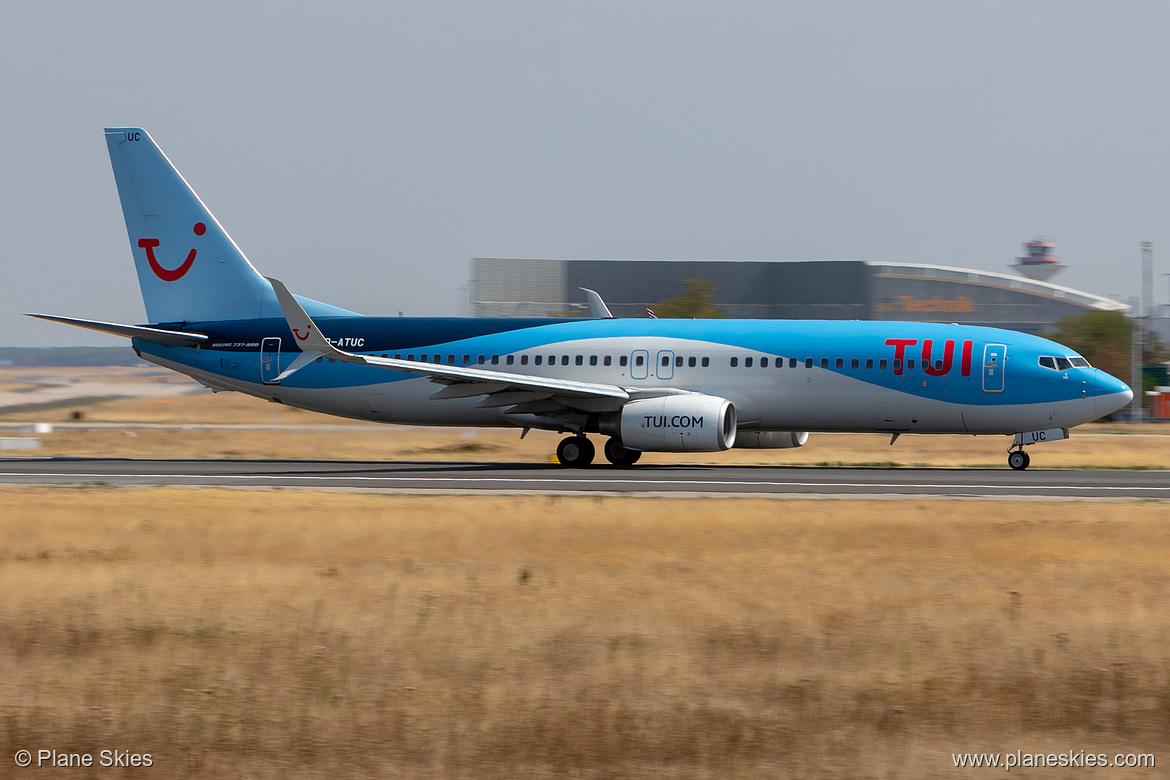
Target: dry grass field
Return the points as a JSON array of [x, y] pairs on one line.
[[287, 634]]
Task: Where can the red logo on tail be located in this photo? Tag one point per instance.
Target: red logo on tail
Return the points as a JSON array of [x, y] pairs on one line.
[[165, 274], [297, 333]]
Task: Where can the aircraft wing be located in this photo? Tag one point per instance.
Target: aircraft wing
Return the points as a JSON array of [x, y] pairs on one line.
[[503, 388], [171, 338]]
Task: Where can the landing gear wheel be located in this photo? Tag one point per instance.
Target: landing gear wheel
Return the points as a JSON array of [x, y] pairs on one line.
[[575, 452], [617, 453], [1019, 460]]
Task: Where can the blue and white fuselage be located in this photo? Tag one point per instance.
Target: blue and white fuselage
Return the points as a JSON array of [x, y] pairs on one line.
[[650, 385]]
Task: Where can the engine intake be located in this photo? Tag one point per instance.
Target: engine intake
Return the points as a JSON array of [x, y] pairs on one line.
[[674, 423]]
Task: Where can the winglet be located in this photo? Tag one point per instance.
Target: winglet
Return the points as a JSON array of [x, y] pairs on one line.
[[597, 308], [313, 342], [299, 322]]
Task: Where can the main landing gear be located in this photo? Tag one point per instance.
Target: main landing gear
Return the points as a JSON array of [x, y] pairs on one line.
[[576, 452], [619, 455]]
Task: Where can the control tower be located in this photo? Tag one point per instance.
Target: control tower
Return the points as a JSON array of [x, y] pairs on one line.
[[1038, 262]]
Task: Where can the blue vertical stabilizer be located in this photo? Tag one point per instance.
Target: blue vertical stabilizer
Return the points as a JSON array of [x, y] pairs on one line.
[[188, 267]]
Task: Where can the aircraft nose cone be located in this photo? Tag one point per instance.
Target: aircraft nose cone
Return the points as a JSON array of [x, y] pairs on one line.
[[1115, 395]]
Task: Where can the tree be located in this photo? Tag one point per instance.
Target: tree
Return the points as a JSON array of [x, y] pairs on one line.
[[694, 301], [1103, 338]]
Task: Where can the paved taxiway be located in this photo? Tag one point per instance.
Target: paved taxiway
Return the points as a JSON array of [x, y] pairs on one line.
[[540, 478]]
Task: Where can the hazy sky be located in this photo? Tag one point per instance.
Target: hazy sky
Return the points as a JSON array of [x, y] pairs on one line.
[[363, 152]]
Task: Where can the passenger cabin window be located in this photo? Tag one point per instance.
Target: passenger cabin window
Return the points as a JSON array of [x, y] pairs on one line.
[[565, 360], [523, 360], [510, 359], [467, 360], [824, 362], [910, 364], [868, 364], [609, 361], [882, 364], [538, 360], [622, 361], [665, 361], [840, 362], [678, 361], [482, 359], [763, 362], [580, 360], [706, 362], [450, 360], [792, 362], [638, 361], [897, 365], [495, 360], [808, 362], [422, 358], [593, 360], [855, 363], [691, 362], [747, 362], [735, 362]]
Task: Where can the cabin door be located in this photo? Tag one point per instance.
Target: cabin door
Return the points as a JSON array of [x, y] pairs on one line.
[[639, 364], [665, 364], [270, 360], [994, 357]]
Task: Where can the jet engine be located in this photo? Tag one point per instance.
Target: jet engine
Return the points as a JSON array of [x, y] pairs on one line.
[[771, 440], [674, 423]]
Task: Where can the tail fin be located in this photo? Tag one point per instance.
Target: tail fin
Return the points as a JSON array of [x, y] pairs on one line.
[[189, 268]]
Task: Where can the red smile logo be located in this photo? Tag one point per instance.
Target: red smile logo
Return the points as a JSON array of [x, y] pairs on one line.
[[165, 274], [297, 333]]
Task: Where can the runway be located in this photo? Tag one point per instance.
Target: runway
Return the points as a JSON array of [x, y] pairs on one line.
[[541, 478]]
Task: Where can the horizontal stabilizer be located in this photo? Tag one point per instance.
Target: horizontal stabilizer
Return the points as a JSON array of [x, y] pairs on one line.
[[170, 338]]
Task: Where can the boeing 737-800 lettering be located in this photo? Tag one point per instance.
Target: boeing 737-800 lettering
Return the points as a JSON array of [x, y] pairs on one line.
[[648, 385]]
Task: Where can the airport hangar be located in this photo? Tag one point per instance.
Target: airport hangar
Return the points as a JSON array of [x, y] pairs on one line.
[[822, 289]]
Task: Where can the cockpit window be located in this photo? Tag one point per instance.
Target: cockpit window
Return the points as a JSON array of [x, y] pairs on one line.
[[1057, 363]]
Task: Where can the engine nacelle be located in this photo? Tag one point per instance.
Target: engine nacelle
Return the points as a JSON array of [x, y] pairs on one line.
[[674, 423], [771, 440]]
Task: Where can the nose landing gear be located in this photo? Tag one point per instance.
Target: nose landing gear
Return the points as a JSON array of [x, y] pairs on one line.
[[1018, 459]]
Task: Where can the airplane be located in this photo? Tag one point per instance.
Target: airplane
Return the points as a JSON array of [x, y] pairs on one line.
[[648, 385]]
